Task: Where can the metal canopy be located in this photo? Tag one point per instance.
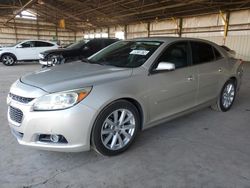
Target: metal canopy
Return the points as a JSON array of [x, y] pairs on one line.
[[92, 14]]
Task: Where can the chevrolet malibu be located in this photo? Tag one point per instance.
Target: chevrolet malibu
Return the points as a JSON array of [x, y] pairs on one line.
[[127, 87]]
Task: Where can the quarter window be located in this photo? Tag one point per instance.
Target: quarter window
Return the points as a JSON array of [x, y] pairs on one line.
[[217, 54], [201, 52], [177, 54]]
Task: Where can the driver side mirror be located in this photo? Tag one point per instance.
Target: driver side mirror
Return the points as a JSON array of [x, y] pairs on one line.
[[85, 48], [19, 46], [165, 66]]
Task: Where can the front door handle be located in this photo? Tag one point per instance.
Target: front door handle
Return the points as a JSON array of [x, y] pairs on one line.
[[190, 78], [220, 70]]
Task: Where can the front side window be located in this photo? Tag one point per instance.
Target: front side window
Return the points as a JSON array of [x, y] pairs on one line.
[[129, 54], [29, 44], [177, 54], [202, 52]]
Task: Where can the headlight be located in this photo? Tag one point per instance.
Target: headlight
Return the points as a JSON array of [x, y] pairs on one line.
[[41, 56], [60, 100]]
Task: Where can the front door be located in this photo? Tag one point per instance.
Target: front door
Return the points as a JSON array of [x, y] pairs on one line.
[[172, 92], [26, 51]]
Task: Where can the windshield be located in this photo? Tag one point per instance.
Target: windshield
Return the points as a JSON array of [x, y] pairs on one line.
[[126, 53], [78, 44]]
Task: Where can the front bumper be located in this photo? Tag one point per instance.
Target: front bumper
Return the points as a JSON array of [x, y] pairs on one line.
[[74, 124], [43, 62]]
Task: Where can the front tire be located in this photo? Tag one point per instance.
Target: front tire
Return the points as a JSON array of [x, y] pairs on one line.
[[8, 59], [227, 96], [115, 128]]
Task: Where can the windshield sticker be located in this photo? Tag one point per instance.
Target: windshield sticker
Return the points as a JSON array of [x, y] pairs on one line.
[[139, 52]]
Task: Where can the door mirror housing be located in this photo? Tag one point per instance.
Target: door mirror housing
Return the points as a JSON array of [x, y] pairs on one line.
[[85, 48], [19, 46], [165, 66]]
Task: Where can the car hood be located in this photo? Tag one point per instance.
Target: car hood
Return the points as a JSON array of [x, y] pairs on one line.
[[6, 48], [59, 51], [73, 76]]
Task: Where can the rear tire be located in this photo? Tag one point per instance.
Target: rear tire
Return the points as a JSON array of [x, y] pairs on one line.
[[115, 128], [227, 97], [8, 59]]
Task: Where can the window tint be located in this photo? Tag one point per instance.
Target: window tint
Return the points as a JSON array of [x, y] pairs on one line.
[[202, 52], [217, 54], [126, 53], [176, 53], [95, 45], [109, 41], [28, 44], [42, 44]]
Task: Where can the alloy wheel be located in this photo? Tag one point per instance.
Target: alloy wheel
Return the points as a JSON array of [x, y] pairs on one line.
[[118, 129], [8, 60], [228, 95]]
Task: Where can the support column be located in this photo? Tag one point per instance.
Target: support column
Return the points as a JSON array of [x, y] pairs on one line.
[[125, 32], [15, 29], [56, 33], [180, 27], [226, 24], [75, 36], [37, 29], [148, 29], [108, 32]]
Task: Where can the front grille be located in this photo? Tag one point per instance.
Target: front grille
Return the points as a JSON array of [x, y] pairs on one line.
[[15, 114], [20, 99]]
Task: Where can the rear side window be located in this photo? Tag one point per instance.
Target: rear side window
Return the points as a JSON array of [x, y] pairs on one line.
[[42, 44], [202, 52], [109, 41], [177, 54], [95, 45]]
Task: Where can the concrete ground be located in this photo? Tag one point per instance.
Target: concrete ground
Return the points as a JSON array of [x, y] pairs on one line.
[[203, 149]]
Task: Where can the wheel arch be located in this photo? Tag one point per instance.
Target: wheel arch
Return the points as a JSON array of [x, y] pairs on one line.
[[8, 53], [234, 79], [138, 107], [128, 99]]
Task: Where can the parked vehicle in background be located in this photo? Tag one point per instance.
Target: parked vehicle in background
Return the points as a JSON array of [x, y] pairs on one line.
[[230, 52], [25, 51], [76, 51], [127, 87]]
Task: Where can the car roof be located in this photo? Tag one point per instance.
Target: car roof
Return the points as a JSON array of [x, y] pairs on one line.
[[39, 41], [104, 39], [171, 39]]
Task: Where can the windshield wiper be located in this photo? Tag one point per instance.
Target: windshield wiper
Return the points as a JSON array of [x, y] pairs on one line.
[[85, 60]]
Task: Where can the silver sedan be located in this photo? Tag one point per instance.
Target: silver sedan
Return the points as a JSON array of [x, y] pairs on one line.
[[105, 100]]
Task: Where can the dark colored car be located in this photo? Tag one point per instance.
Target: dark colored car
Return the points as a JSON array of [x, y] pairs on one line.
[[76, 51]]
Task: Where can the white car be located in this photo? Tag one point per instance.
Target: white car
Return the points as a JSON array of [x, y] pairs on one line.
[[25, 50]]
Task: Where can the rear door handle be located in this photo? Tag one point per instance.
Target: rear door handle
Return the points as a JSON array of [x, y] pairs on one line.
[[190, 78]]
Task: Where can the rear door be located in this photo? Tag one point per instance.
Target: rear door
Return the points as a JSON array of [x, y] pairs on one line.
[[41, 46], [172, 92], [208, 62]]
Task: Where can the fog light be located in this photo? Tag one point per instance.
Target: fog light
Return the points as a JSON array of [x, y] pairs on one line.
[[54, 138]]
